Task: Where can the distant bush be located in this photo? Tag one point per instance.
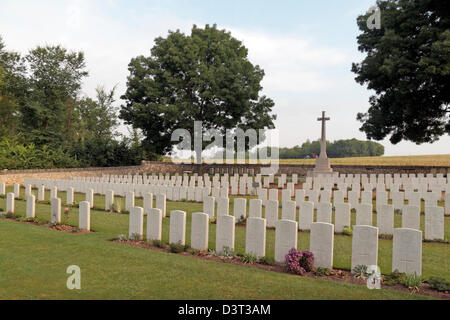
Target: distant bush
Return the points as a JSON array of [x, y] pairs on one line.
[[15, 155]]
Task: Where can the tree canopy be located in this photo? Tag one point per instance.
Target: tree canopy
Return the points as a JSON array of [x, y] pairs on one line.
[[205, 76], [408, 67], [44, 120]]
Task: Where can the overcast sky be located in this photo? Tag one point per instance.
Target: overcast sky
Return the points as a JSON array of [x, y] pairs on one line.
[[305, 47]]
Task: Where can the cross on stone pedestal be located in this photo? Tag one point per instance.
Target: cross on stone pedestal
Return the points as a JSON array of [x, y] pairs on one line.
[[323, 163], [323, 140]]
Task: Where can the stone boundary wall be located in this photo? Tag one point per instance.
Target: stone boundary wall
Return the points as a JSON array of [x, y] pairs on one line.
[[17, 176]]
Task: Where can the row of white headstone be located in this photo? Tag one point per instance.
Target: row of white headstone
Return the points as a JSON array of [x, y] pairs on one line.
[[354, 198], [55, 211], [406, 253], [434, 215]]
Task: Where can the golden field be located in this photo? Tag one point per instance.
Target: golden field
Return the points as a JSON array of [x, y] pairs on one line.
[[429, 160], [426, 160]]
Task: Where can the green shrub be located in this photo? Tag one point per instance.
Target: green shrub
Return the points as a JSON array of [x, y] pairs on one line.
[[360, 271], [15, 155], [394, 278], [266, 261], [322, 272], [412, 281], [157, 243], [249, 258], [177, 247], [347, 231], [135, 237], [439, 284]]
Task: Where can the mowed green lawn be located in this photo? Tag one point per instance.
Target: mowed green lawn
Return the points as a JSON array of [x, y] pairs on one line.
[[33, 262]]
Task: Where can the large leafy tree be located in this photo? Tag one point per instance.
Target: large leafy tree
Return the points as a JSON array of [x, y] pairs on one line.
[[408, 67], [12, 89], [55, 78], [205, 76]]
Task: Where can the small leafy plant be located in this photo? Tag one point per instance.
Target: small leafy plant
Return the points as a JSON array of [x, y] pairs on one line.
[[360, 271], [249, 258], [157, 243], [266, 261], [177, 247], [393, 278], [412, 281], [116, 207], [322, 272], [135, 237], [347, 231], [65, 217]]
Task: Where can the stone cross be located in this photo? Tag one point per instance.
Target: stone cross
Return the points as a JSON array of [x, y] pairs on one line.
[[323, 140]]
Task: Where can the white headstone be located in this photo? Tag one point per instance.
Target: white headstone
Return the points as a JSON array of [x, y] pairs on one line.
[[10, 202], [53, 192], [271, 213], [161, 204], [324, 212], [385, 219], [364, 246], [223, 206], [154, 224], [398, 200], [109, 199], [381, 198], [225, 233], [407, 251], [255, 240], [255, 208], [136, 226], [129, 200], [288, 210], [321, 244], [55, 210], [338, 197], [199, 231], [41, 193], [16, 190], [353, 198], [411, 217], [69, 196], [447, 203], [177, 233], [84, 216], [299, 196], [285, 238], [342, 217], [434, 223], [306, 215], [148, 202], [240, 208], [31, 206], [90, 197], [209, 204], [364, 214]]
